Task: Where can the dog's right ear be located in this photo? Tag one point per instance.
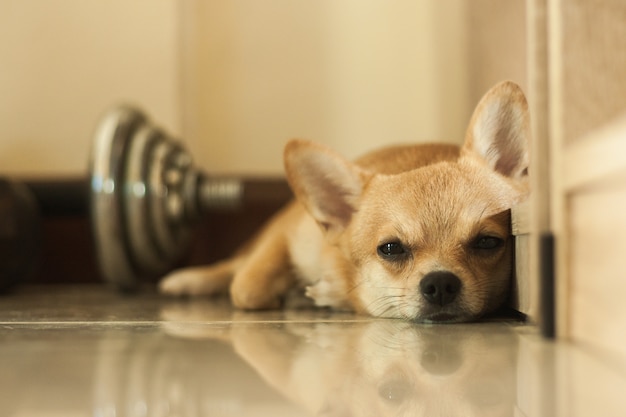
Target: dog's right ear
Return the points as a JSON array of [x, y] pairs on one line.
[[499, 131], [328, 185]]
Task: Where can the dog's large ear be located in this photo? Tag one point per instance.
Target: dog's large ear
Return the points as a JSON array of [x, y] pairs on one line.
[[499, 131], [328, 185]]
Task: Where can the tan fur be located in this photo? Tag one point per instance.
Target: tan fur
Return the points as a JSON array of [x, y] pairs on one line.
[[435, 202]]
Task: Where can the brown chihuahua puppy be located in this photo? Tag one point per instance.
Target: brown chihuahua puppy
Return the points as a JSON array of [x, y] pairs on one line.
[[420, 232]]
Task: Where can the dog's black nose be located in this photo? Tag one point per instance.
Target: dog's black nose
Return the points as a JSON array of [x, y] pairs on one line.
[[440, 287]]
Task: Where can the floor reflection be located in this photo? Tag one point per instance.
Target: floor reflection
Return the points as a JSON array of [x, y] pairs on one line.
[[77, 352], [158, 375], [375, 368], [289, 364]]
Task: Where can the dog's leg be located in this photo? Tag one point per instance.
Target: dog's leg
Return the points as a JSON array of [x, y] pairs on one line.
[[265, 277], [203, 280]]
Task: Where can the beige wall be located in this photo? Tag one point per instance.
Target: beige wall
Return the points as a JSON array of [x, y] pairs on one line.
[[496, 44], [353, 74], [238, 78], [63, 62]]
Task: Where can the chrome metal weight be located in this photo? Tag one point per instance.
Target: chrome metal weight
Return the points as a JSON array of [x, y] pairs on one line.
[[145, 196]]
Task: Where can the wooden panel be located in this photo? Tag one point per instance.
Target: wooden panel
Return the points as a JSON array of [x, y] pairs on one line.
[[596, 156], [580, 86], [587, 89], [597, 224], [595, 172], [538, 98], [593, 64]]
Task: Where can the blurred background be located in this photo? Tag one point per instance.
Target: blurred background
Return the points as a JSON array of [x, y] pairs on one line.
[[236, 79]]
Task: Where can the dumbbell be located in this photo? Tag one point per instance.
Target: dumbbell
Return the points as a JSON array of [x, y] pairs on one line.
[[144, 197]]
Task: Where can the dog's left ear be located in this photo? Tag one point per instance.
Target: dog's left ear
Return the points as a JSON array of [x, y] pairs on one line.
[[328, 185], [499, 131]]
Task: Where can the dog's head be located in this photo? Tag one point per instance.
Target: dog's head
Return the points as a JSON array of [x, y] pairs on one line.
[[433, 243]]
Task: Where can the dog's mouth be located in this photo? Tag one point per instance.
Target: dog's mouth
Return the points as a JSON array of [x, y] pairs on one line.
[[442, 318], [445, 316]]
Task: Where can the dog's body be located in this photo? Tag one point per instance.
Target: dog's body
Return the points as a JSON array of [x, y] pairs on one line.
[[419, 232]]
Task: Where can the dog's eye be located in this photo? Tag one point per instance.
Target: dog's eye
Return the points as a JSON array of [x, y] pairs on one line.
[[391, 250], [488, 242]]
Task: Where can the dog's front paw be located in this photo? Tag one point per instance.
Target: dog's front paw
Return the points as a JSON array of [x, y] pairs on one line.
[[328, 294], [191, 281], [179, 283]]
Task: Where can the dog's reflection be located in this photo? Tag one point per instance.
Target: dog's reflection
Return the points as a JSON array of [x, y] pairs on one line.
[[377, 367]]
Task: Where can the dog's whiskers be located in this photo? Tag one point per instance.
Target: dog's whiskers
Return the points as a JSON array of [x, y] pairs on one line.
[[383, 305]]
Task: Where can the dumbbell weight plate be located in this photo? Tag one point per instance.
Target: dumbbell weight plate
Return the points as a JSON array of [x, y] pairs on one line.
[[148, 255], [107, 171], [153, 201], [145, 197]]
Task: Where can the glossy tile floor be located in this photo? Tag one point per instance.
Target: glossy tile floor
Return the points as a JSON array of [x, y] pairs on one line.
[[88, 351]]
